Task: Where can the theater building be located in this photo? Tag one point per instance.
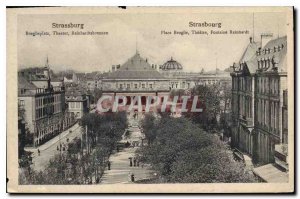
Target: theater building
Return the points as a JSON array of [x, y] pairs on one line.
[[137, 77]]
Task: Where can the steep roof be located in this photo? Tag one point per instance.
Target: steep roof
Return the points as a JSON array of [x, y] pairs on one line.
[[250, 51], [25, 87], [135, 68], [249, 55], [24, 84], [278, 55]]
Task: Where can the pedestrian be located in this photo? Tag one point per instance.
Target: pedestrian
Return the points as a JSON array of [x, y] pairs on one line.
[[130, 161], [132, 177], [39, 152], [97, 180], [134, 161], [108, 165], [57, 148]]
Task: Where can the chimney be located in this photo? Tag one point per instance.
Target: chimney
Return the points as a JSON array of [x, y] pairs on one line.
[[251, 40], [265, 38]]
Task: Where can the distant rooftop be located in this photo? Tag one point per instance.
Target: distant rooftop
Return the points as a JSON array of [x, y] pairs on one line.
[[135, 68]]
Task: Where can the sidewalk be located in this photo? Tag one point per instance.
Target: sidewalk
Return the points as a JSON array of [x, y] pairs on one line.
[[49, 149], [121, 170], [54, 140]]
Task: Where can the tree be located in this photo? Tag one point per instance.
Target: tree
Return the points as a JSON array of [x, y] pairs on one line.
[[97, 94], [209, 97], [183, 152], [148, 126]]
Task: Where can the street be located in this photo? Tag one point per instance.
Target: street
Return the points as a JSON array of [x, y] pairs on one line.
[[49, 149]]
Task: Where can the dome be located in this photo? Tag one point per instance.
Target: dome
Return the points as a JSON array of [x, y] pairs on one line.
[[171, 65]]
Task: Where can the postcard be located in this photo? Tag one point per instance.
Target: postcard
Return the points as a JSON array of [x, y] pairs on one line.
[[150, 100]]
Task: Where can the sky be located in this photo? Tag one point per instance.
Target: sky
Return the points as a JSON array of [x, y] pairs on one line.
[[128, 32]]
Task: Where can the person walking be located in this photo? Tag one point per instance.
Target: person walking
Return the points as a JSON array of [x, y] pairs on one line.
[[132, 177], [134, 161], [108, 165], [130, 161], [39, 152]]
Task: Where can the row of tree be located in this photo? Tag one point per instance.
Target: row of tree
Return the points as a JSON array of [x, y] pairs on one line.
[[182, 152], [216, 104], [85, 158]]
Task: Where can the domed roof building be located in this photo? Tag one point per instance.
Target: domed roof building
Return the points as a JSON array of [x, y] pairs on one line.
[[171, 65]]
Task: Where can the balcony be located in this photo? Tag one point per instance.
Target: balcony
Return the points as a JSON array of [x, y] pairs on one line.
[[281, 156]]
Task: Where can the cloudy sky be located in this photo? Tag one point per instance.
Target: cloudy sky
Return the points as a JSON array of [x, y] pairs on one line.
[[98, 53]]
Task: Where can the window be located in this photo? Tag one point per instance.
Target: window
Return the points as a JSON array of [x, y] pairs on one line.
[[21, 103], [135, 86], [143, 85], [150, 85], [121, 86], [128, 85]]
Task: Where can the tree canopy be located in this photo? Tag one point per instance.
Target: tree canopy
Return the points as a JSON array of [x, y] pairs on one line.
[[181, 152]]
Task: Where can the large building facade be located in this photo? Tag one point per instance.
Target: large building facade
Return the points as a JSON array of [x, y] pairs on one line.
[[259, 107], [77, 102], [42, 104], [137, 77]]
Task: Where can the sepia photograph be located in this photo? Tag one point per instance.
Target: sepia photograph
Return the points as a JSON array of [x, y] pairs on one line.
[[150, 100]]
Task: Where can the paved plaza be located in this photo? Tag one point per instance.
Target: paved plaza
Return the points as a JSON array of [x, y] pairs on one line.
[[120, 164]]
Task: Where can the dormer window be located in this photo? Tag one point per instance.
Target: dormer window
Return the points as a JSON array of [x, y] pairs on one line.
[[279, 48]]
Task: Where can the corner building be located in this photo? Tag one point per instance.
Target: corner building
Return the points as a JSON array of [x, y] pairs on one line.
[[259, 102]]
